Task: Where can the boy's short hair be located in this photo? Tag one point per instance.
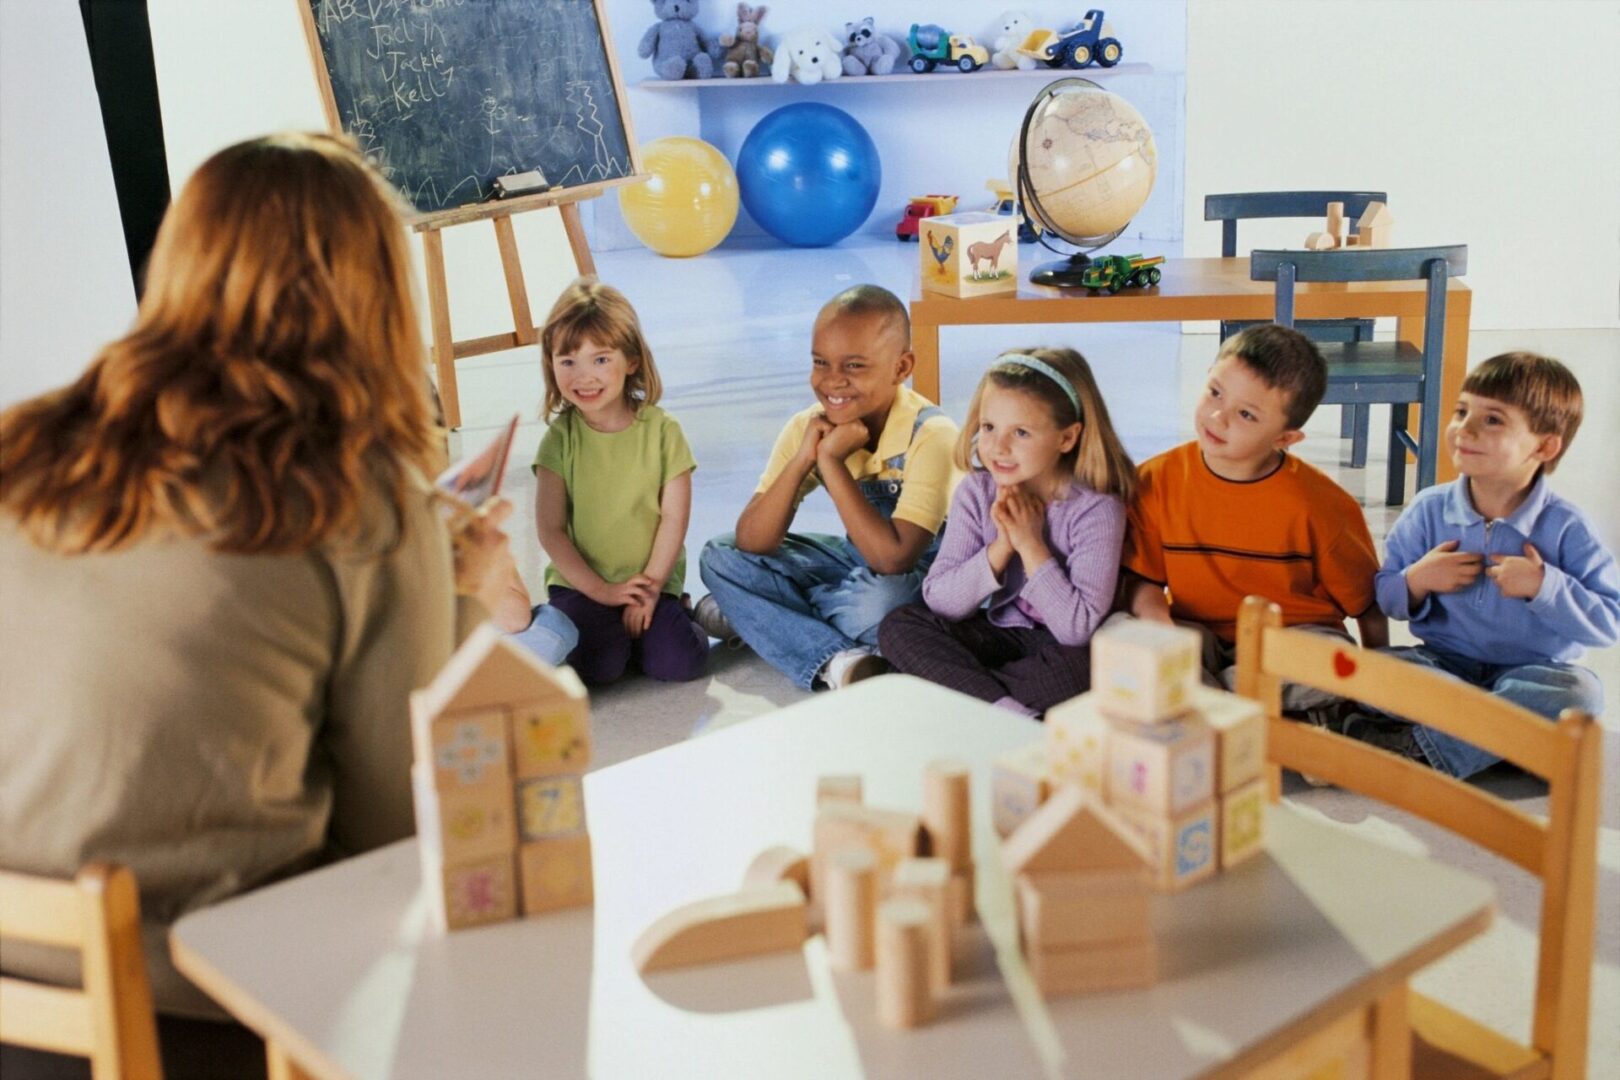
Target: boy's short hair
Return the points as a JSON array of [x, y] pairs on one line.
[[1285, 360], [1545, 389], [872, 300]]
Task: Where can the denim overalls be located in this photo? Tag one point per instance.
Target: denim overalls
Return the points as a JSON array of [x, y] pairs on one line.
[[814, 596]]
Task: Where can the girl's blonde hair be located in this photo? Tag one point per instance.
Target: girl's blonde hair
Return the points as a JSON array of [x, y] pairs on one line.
[[273, 377], [588, 309], [1098, 460]]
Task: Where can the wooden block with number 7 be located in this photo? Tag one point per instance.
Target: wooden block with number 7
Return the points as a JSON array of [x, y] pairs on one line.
[[550, 806]]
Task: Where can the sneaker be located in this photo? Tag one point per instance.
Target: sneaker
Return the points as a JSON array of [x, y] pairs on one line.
[[712, 621], [851, 666], [1392, 736], [1328, 718]]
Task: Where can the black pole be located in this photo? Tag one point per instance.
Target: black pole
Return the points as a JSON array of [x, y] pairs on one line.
[[120, 38]]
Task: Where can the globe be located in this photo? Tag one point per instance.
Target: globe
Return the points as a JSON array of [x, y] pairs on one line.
[[1083, 164]]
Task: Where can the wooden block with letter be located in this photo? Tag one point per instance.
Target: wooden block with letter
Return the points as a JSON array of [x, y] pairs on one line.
[[1071, 831], [1144, 670], [1181, 850], [1239, 724], [467, 748], [1077, 744], [1121, 965], [974, 253], [1164, 768], [475, 893], [1243, 822], [464, 825], [762, 919], [553, 735], [1020, 780], [555, 873], [890, 835]]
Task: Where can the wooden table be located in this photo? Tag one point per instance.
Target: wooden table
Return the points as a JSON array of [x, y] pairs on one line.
[[1296, 948], [1195, 289]]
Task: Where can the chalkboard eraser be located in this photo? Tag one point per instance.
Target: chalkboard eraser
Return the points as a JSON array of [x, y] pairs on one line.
[[532, 182]]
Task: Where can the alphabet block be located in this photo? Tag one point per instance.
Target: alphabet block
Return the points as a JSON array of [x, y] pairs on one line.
[[469, 748], [463, 825], [1243, 822], [1164, 768], [1019, 783], [1144, 670], [1077, 744], [550, 806], [555, 873], [553, 736], [1181, 850], [1239, 724], [476, 893]]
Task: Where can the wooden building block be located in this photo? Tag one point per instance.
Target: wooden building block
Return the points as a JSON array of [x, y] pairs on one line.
[[1077, 744], [1123, 965], [889, 834], [1019, 782], [1376, 226], [849, 903], [1181, 851], [1320, 241], [947, 813], [769, 918], [1239, 724], [1163, 768], [550, 806], [1335, 222], [842, 788], [554, 736], [962, 903], [779, 863], [974, 253], [465, 749], [473, 894], [1243, 822], [904, 991], [555, 874], [1071, 831], [463, 825], [1066, 910], [929, 881], [1144, 670], [489, 671]]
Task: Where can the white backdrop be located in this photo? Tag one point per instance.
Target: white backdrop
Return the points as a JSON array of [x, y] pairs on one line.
[[1489, 122]]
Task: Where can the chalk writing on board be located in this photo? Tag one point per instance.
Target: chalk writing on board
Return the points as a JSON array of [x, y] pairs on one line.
[[446, 95]]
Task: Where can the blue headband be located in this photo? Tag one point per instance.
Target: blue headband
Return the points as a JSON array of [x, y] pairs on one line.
[[1023, 361]]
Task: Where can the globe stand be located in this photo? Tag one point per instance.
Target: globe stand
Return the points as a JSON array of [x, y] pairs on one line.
[[1064, 273]]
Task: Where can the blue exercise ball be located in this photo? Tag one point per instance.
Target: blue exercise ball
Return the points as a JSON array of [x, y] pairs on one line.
[[809, 174]]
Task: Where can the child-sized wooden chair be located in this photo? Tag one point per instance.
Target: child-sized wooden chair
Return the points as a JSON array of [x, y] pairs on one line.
[[1562, 851], [110, 1021], [1233, 207], [1397, 373]]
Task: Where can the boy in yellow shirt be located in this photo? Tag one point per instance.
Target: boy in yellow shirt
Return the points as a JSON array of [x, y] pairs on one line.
[[811, 603], [1232, 513]]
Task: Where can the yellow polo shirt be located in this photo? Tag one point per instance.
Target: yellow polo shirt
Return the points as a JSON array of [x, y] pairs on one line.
[[927, 477]]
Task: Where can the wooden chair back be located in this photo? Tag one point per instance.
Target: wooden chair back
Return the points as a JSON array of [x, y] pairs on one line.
[[1233, 207], [110, 1021], [1562, 851]]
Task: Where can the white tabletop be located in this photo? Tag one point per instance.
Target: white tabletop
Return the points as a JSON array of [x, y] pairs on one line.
[[342, 967]]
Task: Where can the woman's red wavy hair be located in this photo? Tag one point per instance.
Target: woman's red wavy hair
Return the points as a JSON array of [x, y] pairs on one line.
[[272, 381]]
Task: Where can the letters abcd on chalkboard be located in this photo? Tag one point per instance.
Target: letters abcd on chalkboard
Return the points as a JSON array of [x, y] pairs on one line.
[[443, 96]]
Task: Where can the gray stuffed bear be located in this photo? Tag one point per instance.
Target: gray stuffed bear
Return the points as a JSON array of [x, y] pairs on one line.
[[868, 52], [675, 43]]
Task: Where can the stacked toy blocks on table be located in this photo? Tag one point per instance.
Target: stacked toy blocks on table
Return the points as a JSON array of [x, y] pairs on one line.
[[888, 888], [1082, 898], [501, 743]]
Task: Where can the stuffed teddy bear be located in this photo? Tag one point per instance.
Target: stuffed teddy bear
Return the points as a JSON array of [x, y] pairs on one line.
[[675, 43], [1013, 28], [745, 56], [867, 51], [808, 55]]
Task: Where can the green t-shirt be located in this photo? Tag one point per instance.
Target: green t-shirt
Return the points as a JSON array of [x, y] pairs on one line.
[[614, 480]]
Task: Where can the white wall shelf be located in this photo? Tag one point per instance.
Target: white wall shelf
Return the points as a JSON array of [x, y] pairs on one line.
[[1096, 73]]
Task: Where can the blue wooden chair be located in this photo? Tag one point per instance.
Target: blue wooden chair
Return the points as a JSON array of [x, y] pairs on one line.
[[1239, 206], [1374, 373]]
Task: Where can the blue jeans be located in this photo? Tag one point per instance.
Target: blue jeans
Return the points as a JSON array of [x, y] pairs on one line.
[[810, 599], [550, 635], [1545, 689]]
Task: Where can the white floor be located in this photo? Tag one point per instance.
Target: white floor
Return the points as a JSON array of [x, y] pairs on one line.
[[730, 332]]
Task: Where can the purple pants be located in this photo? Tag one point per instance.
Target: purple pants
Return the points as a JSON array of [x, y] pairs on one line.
[[672, 649]]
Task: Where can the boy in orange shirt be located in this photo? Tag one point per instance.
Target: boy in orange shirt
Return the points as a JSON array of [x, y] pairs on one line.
[[1232, 513]]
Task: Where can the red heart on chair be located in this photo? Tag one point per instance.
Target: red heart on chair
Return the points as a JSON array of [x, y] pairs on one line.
[[1343, 665]]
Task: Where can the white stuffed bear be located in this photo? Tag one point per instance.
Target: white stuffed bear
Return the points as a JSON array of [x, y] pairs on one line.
[[808, 55], [1011, 30]]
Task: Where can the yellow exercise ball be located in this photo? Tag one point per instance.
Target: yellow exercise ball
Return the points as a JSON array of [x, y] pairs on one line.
[[690, 202]]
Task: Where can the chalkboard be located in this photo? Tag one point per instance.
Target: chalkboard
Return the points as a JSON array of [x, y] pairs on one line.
[[446, 95]]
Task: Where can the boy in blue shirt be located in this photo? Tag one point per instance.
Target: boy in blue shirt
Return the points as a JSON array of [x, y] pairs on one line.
[[1502, 580]]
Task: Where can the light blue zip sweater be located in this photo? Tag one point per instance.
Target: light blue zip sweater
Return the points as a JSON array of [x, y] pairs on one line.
[[1578, 604]]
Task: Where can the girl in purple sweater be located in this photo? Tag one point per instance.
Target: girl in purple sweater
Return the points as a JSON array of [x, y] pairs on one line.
[[1030, 558]]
